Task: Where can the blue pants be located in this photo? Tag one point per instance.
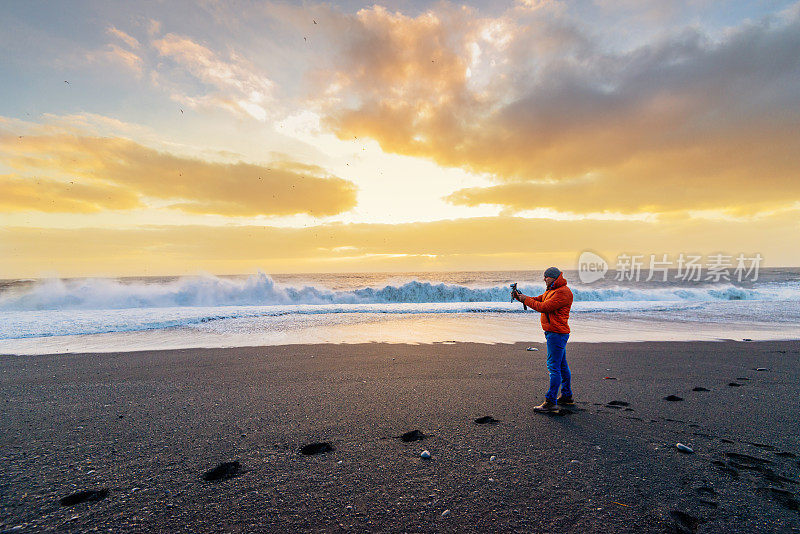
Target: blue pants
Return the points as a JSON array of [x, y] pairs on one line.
[[557, 365]]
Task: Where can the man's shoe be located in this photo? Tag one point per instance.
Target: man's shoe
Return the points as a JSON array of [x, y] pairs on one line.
[[546, 407], [565, 400]]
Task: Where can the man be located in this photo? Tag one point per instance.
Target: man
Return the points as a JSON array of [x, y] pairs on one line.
[[554, 305]]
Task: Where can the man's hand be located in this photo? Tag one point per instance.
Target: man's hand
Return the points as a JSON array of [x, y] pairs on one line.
[[519, 296]]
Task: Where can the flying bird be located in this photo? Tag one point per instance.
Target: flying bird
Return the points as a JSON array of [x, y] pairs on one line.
[[66, 82], [314, 21]]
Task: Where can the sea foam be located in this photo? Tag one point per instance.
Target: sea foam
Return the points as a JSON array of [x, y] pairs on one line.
[[261, 290]]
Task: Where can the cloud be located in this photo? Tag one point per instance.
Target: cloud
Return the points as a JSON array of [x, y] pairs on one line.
[[559, 118], [480, 243], [132, 42], [113, 53], [88, 173], [233, 83], [52, 196]]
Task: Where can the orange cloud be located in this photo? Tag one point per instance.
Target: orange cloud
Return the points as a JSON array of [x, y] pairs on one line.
[[115, 173], [561, 121], [40, 194]]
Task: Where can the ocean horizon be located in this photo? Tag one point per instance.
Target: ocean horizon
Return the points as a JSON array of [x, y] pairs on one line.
[[56, 315]]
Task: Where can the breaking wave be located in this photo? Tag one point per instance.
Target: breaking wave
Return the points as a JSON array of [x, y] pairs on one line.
[[261, 290]]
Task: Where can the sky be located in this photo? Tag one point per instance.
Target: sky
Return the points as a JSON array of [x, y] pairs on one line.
[[157, 138]]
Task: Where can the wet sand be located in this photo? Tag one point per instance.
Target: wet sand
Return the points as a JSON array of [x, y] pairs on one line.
[[148, 426]]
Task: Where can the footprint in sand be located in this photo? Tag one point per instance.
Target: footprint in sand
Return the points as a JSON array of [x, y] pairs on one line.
[[700, 388], [316, 448], [673, 398], [751, 463], [761, 445], [747, 459], [414, 435], [733, 472], [705, 494], [784, 498], [223, 471], [734, 384], [706, 491], [486, 420], [84, 496], [684, 523]]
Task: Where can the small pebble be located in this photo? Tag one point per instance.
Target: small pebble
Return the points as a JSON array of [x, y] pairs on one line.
[[445, 513], [761, 369], [492, 458], [426, 455], [531, 348], [684, 448]]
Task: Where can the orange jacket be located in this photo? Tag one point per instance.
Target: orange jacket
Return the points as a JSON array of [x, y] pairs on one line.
[[554, 305]]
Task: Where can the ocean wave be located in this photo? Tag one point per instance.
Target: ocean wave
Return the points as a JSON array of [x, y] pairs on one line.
[[261, 290]]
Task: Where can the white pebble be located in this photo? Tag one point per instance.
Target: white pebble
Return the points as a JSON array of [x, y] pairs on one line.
[[445, 513], [684, 448], [531, 348], [425, 454], [492, 458]]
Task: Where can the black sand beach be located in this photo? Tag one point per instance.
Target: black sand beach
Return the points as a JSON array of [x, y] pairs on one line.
[[148, 426]]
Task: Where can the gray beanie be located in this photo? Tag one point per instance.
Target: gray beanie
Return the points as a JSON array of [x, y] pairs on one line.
[[552, 272]]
